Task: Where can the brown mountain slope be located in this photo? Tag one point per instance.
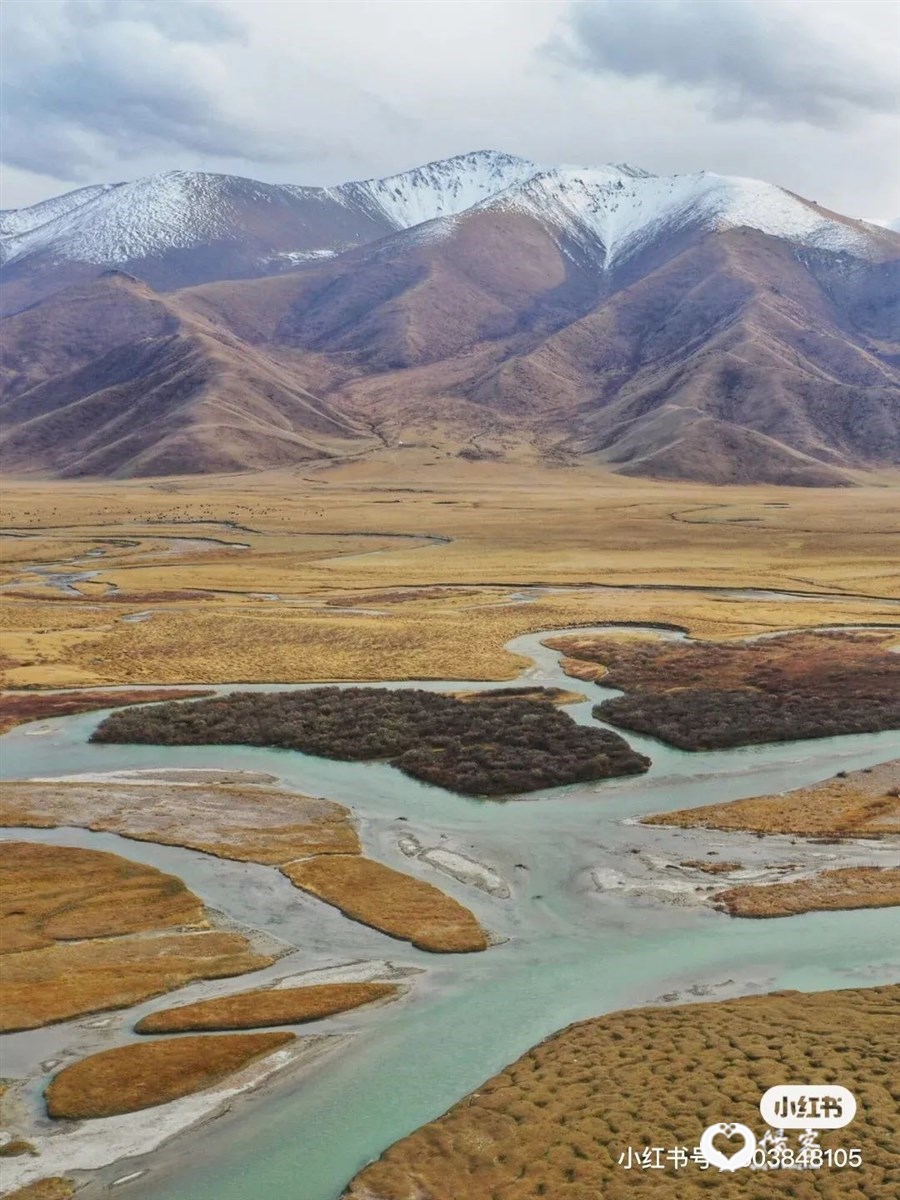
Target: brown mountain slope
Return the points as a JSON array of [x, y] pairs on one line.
[[77, 325], [732, 360], [128, 384], [731, 356], [731, 344], [196, 227]]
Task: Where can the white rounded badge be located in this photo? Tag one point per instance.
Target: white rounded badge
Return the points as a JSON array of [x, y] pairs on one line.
[[808, 1106]]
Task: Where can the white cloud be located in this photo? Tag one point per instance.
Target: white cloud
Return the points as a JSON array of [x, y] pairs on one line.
[[318, 92]]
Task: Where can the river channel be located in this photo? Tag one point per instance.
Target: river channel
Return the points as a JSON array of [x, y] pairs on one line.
[[567, 949]]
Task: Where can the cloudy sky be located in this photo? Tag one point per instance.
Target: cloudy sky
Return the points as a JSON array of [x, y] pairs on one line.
[[804, 93]]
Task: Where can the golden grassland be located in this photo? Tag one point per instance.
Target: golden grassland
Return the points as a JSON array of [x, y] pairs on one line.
[[265, 1006], [36, 706], [51, 894], [73, 979], [847, 887], [554, 1123], [508, 528], [862, 803], [247, 823], [394, 903], [54, 1188], [84, 931], [251, 641], [579, 668], [137, 1076]]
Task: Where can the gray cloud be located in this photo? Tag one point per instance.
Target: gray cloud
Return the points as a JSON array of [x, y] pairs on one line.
[[745, 58], [85, 83], [318, 92]]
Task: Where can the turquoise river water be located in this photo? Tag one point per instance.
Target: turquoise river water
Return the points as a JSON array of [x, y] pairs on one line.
[[570, 952]]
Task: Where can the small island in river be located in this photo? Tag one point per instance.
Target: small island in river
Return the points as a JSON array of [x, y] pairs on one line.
[[704, 695], [496, 749]]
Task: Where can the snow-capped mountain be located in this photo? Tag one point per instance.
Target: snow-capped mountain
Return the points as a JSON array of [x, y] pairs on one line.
[[183, 227], [17, 221], [173, 210], [685, 326], [610, 212], [117, 224], [439, 189]]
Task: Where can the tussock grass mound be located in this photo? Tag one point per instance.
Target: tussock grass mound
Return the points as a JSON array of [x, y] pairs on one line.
[[400, 905], [73, 979], [554, 1123], [862, 803], [847, 887], [141, 1075], [84, 931], [52, 894], [271, 1006]]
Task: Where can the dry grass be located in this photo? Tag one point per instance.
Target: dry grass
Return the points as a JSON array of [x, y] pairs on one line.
[[250, 824], [41, 987], [418, 596], [54, 1188], [15, 1147], [576, 527], [18, 709], [859, 804], [848, 887], [78, 933], [51, 894], [553, 1123], [138, 1076], [232, 643], [394, 903], [577, 668], [269, 1006]]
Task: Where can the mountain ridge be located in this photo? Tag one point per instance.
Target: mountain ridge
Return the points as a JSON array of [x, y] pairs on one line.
[[690, 326], [259, 228]]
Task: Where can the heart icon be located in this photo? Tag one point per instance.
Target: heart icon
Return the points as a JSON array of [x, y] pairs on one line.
[[742, 1157]]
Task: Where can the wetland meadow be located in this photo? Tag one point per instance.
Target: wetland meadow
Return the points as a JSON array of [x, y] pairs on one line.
[[390, 834]]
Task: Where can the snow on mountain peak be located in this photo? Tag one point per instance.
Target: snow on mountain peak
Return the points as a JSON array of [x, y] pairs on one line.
[[611, 211], [442, 188], [125, 221]]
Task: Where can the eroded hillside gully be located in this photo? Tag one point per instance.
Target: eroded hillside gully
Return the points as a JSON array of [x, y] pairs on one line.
[[589, 917]]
